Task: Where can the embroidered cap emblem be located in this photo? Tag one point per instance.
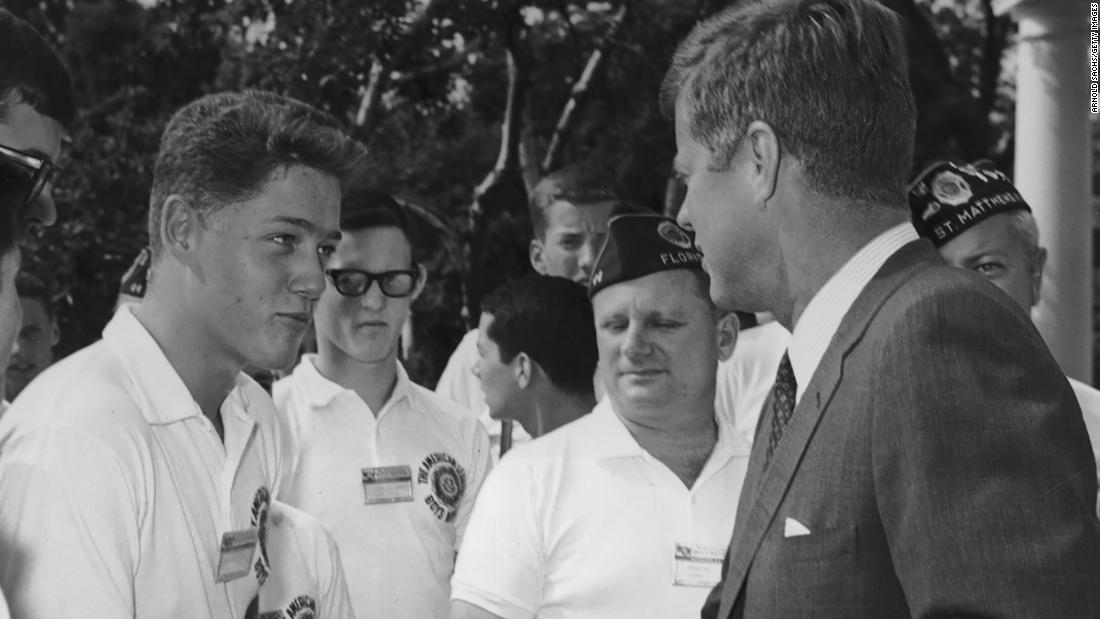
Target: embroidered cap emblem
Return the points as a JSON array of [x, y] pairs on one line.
[[950, 188], [673, 234]]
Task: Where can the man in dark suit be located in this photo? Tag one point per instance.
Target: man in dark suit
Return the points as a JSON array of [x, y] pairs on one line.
[[921, 454]]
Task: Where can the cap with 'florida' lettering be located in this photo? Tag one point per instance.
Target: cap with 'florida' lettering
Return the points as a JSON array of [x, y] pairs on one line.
[[640, 244]]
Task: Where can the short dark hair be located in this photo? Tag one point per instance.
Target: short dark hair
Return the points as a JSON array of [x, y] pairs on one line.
[[577, 184], [30, 287], [551, 320], [32, 73], [223, 148], [829, 76], [365, 207]]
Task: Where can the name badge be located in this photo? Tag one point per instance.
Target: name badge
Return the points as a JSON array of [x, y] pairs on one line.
[[698, 565], [387, 484], [235, 554]]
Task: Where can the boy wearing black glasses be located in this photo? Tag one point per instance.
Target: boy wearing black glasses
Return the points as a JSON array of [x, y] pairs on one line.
[[389, 467], [36, 102]]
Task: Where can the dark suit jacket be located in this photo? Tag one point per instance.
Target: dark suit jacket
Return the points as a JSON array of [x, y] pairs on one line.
[[939, 460]]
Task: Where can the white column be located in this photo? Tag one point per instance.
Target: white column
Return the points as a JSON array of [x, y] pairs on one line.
[[1054, 166]]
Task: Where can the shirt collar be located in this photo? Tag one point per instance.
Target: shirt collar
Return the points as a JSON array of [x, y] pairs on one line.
[[825, 311], [608, 438], [320, 391], [155, 384]]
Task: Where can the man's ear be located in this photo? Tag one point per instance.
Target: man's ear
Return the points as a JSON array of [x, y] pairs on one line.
[[764, 154], [728, 329], [55, 333], [421, 281], [1037, 265], [179, 227], [537, 253], [523, 366]]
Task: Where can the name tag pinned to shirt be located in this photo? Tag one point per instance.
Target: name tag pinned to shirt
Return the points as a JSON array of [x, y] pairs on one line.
[[698, 565], [235, 554], [387, 484]]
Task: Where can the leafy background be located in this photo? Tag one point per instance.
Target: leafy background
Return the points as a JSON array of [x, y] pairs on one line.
[[461, 104]]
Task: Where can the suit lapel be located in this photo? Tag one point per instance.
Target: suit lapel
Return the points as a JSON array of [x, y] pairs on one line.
[[755, 513]]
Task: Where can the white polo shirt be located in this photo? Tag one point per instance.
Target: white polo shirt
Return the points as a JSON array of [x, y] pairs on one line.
[[116, 491], [395, 491], [583, 522], [746, 378], [308, 577]]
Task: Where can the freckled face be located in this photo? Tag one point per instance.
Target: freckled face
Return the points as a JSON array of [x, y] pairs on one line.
[[260, 267]]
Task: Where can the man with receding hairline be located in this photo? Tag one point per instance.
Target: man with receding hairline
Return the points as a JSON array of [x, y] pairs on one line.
[[921, 454]]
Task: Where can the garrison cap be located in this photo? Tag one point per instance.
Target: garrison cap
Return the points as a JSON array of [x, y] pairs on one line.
[[950, 197], [641, 244]]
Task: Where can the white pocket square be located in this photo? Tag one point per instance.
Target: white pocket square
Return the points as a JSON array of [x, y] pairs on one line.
[[794, 528]]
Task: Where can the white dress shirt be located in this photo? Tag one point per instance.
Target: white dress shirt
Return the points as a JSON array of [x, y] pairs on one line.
[[746, 378], [823, 314]]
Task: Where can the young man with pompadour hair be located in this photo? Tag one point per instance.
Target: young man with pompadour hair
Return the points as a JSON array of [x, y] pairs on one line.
[[140, 470]]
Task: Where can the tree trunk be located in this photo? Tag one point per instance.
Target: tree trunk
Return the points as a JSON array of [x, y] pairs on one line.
[[503, 185], [580, 89]]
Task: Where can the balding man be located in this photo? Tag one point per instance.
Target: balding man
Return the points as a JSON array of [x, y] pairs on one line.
[[626, 511]]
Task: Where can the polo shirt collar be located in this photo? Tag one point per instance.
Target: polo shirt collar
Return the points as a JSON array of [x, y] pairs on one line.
[[609, 439], [157, 387], [320, 391]]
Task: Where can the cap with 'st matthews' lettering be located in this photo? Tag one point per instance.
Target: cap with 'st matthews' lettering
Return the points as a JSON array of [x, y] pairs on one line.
[[950, 197], [641, 244]]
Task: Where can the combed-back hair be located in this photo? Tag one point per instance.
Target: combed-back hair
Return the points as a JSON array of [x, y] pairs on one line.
[[549, 319], [32, 73], [28, 286], [366, 207], [576, 184], [829, 76], [223, 148]]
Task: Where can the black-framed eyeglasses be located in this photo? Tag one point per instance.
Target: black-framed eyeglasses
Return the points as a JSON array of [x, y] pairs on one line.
[[34, 170], [356, 283]]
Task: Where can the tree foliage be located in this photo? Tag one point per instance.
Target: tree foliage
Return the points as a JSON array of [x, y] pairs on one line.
[[425, 84]]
